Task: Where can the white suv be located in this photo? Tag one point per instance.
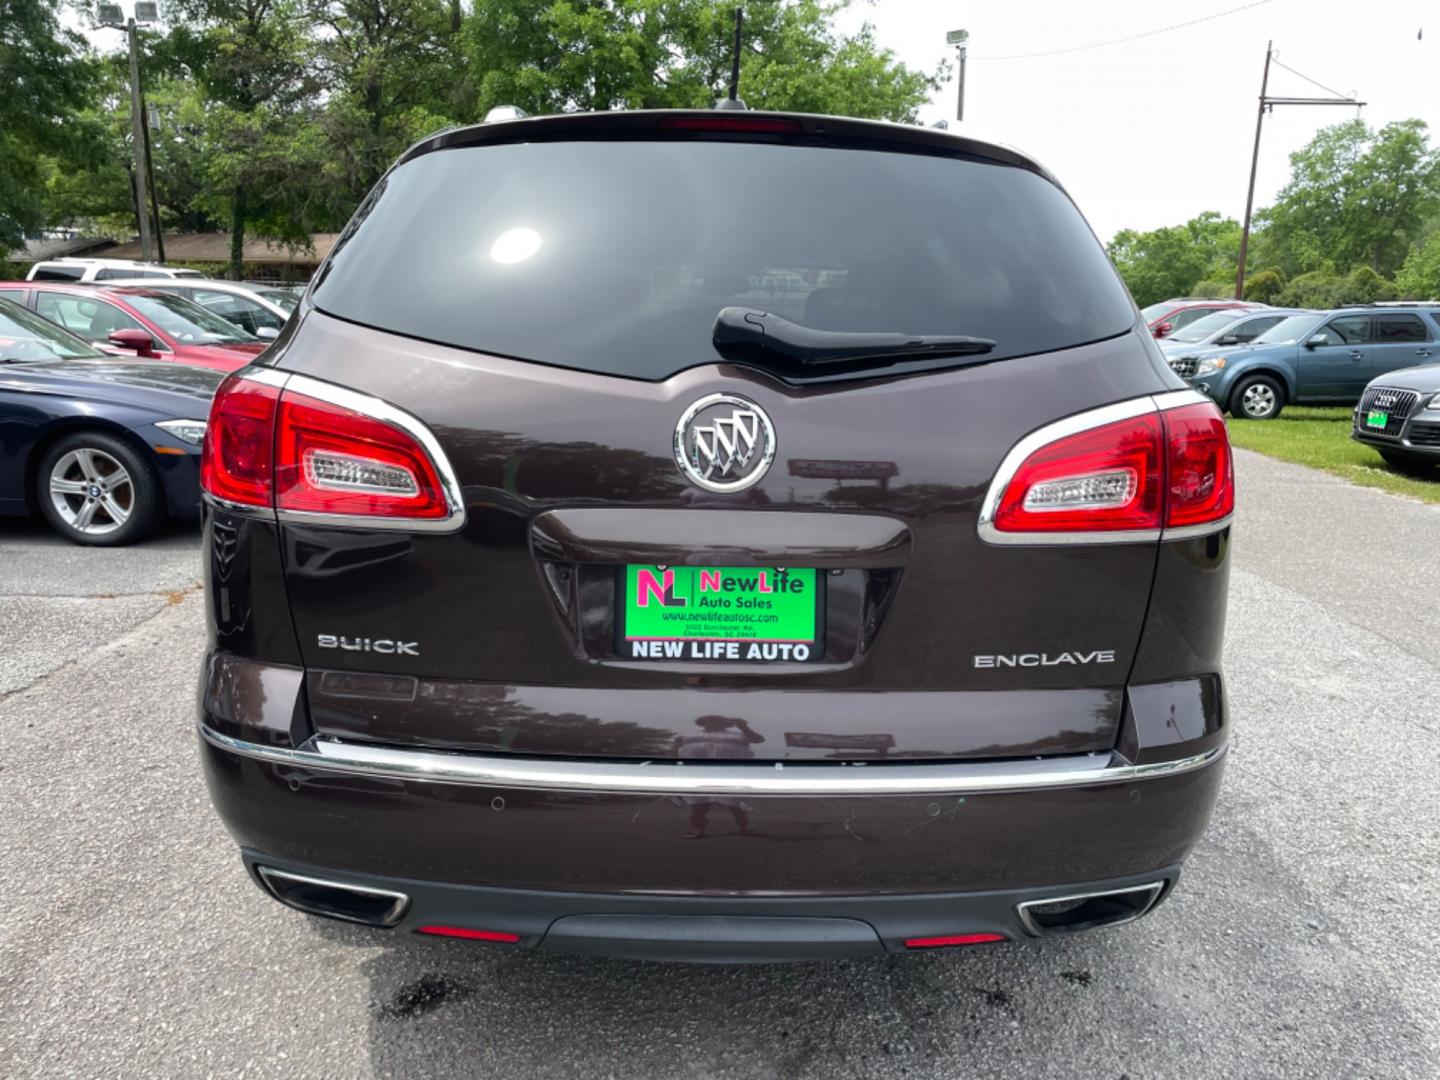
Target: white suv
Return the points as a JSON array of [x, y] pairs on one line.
[[85, 270]]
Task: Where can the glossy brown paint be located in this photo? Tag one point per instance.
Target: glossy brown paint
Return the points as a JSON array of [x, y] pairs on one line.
[[566, 475]]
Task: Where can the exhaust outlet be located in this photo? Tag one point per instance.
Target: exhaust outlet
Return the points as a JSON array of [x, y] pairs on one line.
[[1088, 911], [334, 899]]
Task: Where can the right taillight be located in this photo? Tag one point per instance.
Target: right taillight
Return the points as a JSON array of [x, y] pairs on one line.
[[1122, 473], [1199, 472], [316, 452]]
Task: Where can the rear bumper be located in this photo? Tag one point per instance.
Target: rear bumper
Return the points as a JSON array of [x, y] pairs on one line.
[[722, 929], [976, 828]]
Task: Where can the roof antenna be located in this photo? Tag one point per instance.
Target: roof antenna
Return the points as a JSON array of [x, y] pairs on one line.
[[733, 101]]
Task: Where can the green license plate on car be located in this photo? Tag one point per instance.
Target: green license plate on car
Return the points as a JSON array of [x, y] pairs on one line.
[[727, 613], [1377, 419]]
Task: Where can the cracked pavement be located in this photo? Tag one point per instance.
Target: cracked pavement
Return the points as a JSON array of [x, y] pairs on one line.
[[1298, 943]]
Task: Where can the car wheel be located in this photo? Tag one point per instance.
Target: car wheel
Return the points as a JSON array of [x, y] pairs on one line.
[[1407, 463], [1258, 397], [94, 489]]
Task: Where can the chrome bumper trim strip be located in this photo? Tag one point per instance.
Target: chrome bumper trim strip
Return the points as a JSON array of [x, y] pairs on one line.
[[358, 759]]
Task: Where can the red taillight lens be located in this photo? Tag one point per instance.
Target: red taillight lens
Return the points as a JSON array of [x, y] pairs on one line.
[[946, 940], [472, 935], [332, 460], [1170, 469], [1200, 474], [1106, 478], [237, 458]]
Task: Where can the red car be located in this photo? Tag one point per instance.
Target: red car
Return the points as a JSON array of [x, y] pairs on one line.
[[136, 321], [1166, 316]]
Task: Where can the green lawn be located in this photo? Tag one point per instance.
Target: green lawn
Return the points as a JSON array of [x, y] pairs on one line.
[[1320, 438]]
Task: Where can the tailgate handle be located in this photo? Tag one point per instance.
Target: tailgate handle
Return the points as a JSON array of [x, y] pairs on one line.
[[721, 538]]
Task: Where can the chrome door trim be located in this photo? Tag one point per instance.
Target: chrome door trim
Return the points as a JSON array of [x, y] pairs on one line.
[[329, 755]]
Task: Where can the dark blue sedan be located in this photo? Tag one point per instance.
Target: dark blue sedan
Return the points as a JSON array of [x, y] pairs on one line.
[[106, 449]]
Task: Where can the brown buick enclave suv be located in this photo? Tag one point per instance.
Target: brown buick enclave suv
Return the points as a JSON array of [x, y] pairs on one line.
[[718, 536]]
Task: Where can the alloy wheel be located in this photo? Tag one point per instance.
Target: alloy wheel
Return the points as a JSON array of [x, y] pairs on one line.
[[91, 491], [1258, 401]]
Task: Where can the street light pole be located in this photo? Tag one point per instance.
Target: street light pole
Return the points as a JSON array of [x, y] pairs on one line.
[[960, 39], [142, 165], [960, 106]]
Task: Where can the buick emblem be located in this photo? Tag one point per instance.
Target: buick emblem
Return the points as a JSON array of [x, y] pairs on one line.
[[724, 442]]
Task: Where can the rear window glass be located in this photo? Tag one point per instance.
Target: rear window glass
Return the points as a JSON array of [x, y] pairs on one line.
[[57, 273], [615, 257]]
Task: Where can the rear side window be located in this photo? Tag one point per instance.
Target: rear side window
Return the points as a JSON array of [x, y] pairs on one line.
[[1398, 329], [1346, 330], [615, 257], [57, 273]]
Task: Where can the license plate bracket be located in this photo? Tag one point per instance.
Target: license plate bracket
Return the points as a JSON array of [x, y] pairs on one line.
[[720, 614]]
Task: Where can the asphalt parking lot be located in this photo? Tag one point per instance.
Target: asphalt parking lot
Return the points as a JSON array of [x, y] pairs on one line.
[[1300, 944]]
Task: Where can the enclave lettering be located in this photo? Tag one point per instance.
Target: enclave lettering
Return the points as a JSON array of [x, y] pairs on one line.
[[1097, 656]]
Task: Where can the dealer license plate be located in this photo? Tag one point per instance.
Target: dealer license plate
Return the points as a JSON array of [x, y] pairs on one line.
[[723, 613], [1377, 419]]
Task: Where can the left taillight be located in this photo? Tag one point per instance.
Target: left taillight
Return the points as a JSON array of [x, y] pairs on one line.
[[310, 448], [237, 460]]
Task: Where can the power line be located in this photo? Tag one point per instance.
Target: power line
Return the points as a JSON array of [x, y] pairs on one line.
[[1132, 37], [1307, 78]]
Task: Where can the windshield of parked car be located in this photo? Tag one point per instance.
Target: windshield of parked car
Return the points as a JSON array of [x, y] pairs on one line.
[[186, 321], [1201, 329], [1289, 331], [26, 336], [286, 301], [618, 257], [1154, 311]]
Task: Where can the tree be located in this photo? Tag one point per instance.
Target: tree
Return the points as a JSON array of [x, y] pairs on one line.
[[390, 68], [1265, 286], [46, 76], [252, 62], [1419, 278], [1170, 261], [1355, 197], [557, 55]]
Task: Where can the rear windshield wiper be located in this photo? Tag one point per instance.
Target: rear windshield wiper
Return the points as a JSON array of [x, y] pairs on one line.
[[740, 330]]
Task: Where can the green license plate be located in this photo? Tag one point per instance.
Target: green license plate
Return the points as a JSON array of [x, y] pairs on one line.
[[1377, 419], [726, 613]]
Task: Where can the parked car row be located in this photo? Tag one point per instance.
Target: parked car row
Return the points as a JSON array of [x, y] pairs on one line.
[[1303, 357], [103, 447]]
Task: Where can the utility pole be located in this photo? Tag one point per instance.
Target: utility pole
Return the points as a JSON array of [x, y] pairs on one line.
[[1267, 104], [110, 15], [142, 163], [960, 39]]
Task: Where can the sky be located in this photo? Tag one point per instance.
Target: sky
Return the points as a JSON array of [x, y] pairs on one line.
[[1153, 131]]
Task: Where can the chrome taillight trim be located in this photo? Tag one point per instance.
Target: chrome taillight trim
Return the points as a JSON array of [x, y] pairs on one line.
[[376, 409], [1075, 425], [330, 755]]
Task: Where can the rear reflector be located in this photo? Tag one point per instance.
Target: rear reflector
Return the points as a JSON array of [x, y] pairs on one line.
[[947, 940], [771, 125], [472, 935], [1124, 472]]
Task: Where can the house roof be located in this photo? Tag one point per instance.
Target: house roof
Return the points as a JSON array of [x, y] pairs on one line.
[[215, 247]]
